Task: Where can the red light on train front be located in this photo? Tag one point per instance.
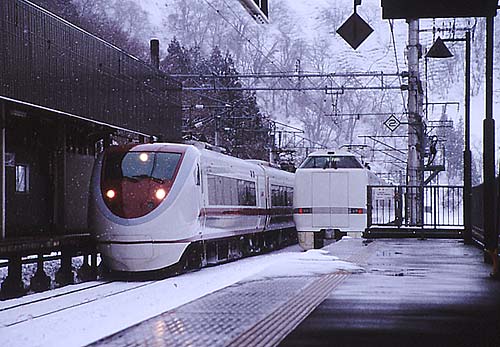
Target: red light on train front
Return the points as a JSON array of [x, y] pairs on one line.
[[110, 193], [160, 194]]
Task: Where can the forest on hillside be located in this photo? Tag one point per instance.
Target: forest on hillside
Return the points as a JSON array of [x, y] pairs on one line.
[[206, 37]]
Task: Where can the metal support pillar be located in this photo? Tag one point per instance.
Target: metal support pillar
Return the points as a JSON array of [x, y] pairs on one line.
[[415, 128], [489, 197], [467, 152], [2, 170], [88, 270], [64, 275], [93, 264], [12, 286], [40, 281]]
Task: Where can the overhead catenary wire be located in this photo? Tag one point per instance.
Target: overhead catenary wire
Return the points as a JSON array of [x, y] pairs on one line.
[[267, 53], [257, 48], [242, 34], [398, 70]]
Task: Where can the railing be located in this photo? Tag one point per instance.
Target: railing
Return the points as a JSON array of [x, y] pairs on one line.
[[16, 253], [477, 214], [402, 206]]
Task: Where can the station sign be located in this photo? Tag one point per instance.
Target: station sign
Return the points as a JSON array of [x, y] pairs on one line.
[[382, 193]]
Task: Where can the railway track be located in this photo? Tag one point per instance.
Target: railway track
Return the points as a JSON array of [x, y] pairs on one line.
[[20, 312]]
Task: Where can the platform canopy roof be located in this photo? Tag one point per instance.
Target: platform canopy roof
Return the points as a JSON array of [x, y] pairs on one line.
[[409, 9]]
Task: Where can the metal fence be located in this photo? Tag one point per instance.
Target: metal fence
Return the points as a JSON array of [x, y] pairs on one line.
[[477, 213], [396, 206], [47, 61]]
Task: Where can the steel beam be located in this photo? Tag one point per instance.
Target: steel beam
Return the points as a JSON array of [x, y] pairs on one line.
[[2, 170], [489, 196]]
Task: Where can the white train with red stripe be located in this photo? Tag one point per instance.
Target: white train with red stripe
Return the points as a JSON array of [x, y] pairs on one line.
[[169, 207], [330, 196]]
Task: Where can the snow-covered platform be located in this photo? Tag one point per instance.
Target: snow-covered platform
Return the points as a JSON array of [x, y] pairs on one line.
[[404, 292]]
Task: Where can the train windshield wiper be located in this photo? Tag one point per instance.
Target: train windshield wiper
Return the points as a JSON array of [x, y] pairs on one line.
[[155, 179], [133, 179]]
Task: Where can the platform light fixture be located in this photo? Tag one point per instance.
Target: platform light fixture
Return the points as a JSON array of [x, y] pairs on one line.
[[259, 9], [439, 50]]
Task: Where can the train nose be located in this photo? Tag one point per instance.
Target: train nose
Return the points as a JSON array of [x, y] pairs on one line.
[[132, 199], [134, 183]]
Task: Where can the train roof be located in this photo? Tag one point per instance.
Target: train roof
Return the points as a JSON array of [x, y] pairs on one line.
[[206, 150], [323, 152], [158, 146], [263, 163]]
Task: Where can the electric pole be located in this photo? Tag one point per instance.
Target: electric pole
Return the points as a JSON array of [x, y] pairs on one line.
[[415, 172]]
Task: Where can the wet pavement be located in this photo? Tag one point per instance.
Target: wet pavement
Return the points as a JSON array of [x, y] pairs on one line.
[[411, 293]]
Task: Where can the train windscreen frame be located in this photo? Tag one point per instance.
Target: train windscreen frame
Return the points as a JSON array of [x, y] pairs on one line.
[[132, 165], [331, 162], [133, 183]]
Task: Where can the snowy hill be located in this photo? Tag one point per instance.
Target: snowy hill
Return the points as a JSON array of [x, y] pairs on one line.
[[306, 31]]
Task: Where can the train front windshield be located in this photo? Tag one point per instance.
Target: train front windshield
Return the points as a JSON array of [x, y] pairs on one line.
[[135, 165], [135, 183], [331, 162]]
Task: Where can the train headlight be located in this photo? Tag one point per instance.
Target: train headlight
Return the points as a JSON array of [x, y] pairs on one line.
[[143, 157], [110, 193], [160, 194]]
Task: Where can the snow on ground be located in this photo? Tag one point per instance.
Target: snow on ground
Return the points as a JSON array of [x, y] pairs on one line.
[[84, 324]]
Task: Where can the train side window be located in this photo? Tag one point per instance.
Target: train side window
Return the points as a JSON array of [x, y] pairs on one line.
[[197, 175], [212, 190], [289, 196], [281, 195], [232, 192], [219, 190], [22, 178], [274, 195], [228, 191], [246, 193], [251, 195]]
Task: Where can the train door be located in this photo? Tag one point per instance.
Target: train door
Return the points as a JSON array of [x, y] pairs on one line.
[[262, 200], [268, 202]]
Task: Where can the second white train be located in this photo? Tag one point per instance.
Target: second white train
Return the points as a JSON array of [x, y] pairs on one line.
[[330, 196]]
